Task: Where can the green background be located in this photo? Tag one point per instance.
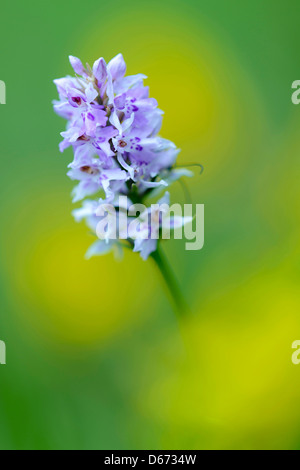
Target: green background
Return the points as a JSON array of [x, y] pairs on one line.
[[95, 358]]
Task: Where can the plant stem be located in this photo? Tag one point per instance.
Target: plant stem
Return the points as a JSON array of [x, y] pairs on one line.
[[181, 307]]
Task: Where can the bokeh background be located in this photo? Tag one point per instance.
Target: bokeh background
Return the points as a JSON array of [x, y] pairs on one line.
[[95, 357]]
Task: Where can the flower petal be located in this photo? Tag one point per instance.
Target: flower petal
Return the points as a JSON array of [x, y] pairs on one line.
[[77, 65], [100, 247], [99, 70], [90, 93], [117, 67]]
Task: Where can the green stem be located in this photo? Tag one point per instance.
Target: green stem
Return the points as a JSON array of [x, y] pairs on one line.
[[166, 271]]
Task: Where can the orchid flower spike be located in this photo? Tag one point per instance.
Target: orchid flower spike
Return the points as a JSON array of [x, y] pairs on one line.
[[112, 127]]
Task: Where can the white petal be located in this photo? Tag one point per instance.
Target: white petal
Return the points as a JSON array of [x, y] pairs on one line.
[[100, 247]]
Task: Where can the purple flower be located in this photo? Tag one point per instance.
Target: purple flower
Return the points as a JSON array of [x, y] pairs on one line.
[[117, 67], [94, 176], [112, 127]]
